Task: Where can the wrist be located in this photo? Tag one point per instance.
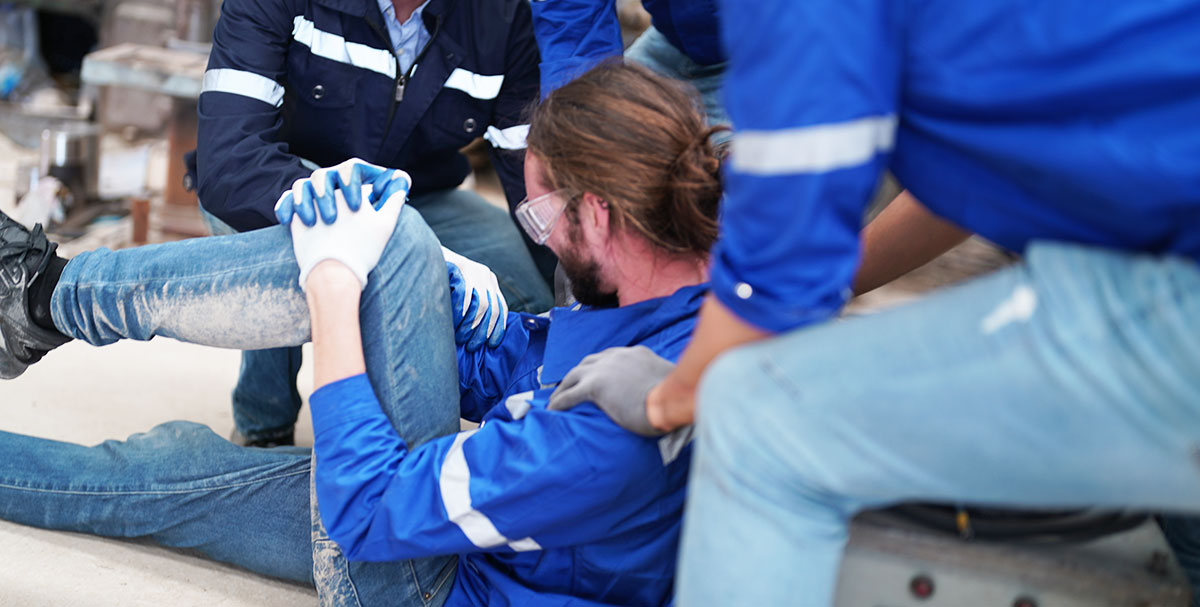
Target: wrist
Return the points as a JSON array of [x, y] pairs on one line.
[[331, 277], [670, 404]]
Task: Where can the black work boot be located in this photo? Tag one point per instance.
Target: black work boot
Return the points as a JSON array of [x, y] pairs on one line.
[[25, 256]]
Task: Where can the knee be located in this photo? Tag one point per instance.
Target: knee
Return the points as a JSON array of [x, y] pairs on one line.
[[412, 244], [768, 435]]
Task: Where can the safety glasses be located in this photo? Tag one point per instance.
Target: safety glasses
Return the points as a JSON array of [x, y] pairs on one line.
[[538, 215]]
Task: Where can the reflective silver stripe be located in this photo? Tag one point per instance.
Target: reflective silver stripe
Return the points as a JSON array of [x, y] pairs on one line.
[[813, 149], [475, 85], [511, 138], [335, 47], [246, 84], [525, 545], [518, 404], [455, 484]]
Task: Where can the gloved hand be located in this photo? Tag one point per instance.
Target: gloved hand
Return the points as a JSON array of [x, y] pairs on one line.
[[480, 312], [618, 381], [357, 238], [314, 195]]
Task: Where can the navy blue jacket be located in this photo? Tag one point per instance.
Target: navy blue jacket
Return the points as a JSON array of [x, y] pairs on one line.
[[316, 79]]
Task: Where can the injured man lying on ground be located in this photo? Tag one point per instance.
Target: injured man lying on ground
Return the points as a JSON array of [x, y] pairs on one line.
[[535, 507]]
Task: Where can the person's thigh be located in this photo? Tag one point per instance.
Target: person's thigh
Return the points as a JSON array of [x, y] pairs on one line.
[[468, 225], [178, 484], [654, 51], [1072, 380]]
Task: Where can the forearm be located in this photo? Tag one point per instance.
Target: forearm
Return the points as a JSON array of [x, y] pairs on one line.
[[333, 294], [902, 238], [669, 404]]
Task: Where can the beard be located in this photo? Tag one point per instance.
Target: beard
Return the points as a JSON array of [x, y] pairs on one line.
[[584, 275]]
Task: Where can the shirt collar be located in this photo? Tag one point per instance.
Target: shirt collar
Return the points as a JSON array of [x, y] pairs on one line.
[[389, 11], [577, 332]]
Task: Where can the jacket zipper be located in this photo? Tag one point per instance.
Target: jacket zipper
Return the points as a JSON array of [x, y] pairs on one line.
[[402, 79]]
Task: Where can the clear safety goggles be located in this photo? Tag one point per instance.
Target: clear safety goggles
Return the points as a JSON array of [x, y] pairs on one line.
[[537, 216]]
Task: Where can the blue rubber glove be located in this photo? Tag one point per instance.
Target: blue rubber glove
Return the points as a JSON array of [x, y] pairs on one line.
[[479, 310], [313, 196]]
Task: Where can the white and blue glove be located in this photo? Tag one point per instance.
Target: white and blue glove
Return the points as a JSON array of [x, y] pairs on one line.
[[313, 196], [480, 312], [356, 239]]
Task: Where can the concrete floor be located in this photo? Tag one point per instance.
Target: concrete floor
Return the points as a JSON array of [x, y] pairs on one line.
[[84, 394]]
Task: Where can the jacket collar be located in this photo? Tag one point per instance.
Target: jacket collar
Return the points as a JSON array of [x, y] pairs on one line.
[[576, 332]]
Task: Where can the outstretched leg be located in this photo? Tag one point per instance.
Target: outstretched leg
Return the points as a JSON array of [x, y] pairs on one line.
[[178, 484]]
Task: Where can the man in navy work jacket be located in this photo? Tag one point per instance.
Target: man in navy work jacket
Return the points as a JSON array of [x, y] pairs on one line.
[[295, 84], [1065, 130], [534, 508]]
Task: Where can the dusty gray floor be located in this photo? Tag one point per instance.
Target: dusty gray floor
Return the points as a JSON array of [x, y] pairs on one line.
[[84, 394]]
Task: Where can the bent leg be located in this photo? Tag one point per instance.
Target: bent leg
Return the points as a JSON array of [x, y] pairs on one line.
[[178, 484], [1073, 380]]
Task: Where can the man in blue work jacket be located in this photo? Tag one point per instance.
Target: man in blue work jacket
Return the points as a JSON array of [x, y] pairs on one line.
[[296, 84], [534, 508], [682, 43], [1068, 131]]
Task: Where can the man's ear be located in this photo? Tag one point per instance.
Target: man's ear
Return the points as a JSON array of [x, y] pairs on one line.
[[594, 212]]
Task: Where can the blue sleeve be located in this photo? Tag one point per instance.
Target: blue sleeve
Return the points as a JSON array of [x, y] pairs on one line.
[[487, 374], [508, 128], [812, 89], [574, 35], [242, 166], [544, 479]]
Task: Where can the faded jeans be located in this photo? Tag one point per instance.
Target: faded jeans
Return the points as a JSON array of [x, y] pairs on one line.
[[654, 51], [1070, 380], [181, 485], [265, 399]]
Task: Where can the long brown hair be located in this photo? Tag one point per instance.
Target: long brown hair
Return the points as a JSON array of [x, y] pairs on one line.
[[638, 141]]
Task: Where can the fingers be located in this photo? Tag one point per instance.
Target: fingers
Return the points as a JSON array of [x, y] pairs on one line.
[[464, 330], [496, 335], [326, 200], [302, 202], [284, 209], [479, 333]]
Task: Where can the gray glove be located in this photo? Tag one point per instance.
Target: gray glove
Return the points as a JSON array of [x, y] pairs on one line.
[[618, 381]]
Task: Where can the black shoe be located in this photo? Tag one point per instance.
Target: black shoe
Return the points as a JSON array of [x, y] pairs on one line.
[[282, 440], [24, 256]]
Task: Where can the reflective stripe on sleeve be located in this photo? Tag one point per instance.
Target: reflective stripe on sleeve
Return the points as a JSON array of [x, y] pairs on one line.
[[246, 84], [813, 149], [455, 484], [475, 85], [335, 47], [511, 138]]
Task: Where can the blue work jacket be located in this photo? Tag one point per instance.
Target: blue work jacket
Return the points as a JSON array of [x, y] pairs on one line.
[[317, 79], [545, 508], [575, 35], [1069, 120]]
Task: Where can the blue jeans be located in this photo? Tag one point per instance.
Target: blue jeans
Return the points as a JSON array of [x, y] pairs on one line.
[[1070, 380], [182, 485], [265, 399], [654, 51]]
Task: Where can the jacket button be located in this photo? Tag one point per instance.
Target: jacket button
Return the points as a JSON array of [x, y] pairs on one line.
[[318, 91], [449, 57], [469, 125]]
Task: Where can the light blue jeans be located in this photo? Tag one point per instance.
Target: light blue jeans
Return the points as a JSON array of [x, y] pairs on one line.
[[1070, 380], [654, 51], [181, 485], [265, 400]]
